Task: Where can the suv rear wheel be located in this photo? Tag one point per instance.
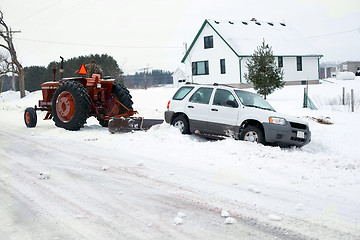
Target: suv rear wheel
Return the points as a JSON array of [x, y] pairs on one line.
[[182, 124]]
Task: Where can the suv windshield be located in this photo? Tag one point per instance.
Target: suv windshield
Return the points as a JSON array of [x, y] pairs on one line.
[[253, 100]]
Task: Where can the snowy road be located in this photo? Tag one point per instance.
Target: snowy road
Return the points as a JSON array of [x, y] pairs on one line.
[[78, 197], [94, 192], [97, 185]]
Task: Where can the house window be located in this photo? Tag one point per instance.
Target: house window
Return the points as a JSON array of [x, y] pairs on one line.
[[208, 42], [280, 62], [222, 66], [299, 63], [200, 68]]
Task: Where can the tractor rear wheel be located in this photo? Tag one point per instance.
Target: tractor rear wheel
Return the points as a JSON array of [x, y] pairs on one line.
[[118, 93], [30, 117], [70, 106]]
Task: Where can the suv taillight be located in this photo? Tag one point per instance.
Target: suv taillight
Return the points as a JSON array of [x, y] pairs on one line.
[[168, 105]]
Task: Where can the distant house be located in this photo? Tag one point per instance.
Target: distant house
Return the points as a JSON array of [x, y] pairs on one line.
[[327, 70], [221, 49], [349, 66]]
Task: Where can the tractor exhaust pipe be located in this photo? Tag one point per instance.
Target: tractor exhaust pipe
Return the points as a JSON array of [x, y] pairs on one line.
[[54, 72], [61, 74]]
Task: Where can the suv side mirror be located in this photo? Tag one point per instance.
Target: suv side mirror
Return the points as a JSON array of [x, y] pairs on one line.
[[232, 103]]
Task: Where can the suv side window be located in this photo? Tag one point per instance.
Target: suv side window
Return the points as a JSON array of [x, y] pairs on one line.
[[202, 95], [182, 93], [222, 97]]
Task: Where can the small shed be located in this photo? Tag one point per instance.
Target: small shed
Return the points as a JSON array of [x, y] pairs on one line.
[[179, 78]]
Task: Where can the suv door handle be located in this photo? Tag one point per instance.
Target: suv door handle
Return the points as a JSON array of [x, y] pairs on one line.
[[190, 106], [214, 109]]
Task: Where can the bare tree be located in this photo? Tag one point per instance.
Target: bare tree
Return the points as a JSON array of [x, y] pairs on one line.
[[12, 65]]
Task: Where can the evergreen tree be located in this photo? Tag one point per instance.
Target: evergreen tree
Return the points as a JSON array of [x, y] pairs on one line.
[[148, 79], [263, 72], [34, 77]]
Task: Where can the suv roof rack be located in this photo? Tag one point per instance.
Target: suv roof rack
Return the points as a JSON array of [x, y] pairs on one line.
[[209, 84], [219, 84]]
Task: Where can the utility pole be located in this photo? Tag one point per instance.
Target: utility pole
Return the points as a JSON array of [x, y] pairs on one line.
[[11, 32], [145, 72]]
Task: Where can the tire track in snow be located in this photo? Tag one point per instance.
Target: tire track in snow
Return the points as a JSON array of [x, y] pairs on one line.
[[92, 206]]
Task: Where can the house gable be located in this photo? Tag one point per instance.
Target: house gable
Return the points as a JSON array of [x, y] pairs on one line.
[[198, 35]]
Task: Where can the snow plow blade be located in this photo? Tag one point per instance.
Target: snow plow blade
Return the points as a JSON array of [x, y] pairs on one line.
[[123, 125]]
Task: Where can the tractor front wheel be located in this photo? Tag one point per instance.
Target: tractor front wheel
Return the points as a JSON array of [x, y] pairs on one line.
[[70, 106], [30, 117]]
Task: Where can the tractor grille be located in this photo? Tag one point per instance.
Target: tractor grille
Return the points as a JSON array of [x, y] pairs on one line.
[[297, 125]]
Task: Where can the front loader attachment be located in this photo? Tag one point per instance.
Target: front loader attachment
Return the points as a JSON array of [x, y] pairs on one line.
[[123, 125]]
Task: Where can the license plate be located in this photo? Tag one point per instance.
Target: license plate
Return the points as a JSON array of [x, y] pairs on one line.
[[300, 134]]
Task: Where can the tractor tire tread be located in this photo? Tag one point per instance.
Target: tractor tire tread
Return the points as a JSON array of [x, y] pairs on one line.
[[82, 107]]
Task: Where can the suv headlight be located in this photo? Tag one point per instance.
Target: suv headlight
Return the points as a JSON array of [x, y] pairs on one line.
[[277, 120]]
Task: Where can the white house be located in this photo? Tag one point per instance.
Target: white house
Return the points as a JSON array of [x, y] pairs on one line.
[[221, 49]]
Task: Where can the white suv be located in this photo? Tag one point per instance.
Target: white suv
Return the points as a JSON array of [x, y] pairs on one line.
[[227, 111]]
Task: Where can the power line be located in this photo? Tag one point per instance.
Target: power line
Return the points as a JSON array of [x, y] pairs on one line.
[[94, 45], [61, 13], [334, 34], [38, 11]]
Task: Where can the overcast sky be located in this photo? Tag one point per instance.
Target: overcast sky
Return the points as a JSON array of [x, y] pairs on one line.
[[152, 33]]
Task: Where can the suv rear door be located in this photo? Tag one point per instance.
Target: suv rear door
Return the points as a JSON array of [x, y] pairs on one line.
[[197, 108]]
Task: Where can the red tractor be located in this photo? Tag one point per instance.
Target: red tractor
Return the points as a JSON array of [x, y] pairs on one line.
[[71, 101]]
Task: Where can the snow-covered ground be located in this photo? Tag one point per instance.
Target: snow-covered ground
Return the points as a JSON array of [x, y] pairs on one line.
[[159, 184]]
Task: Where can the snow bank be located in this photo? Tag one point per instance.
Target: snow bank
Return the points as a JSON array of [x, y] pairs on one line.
[[291, 183], [345, 76]]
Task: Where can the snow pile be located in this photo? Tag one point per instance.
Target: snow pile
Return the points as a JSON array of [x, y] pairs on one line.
[[179, 219], [225, 213], [230, 220], [345, 76], [254, 189], [274, 217], [44, 175]]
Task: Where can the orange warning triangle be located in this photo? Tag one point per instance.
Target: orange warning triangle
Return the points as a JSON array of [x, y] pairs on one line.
[[82, 70]]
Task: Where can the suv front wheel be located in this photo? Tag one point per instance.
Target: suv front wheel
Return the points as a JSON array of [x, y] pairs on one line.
[[182, 124], [252, 134]]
